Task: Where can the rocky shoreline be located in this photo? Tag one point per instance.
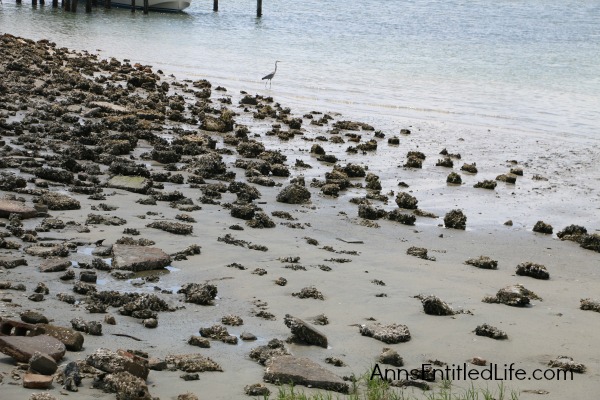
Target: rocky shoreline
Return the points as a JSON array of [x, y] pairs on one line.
[[161, 238]]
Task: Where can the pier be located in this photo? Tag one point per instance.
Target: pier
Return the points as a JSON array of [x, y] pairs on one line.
[[71, 5]]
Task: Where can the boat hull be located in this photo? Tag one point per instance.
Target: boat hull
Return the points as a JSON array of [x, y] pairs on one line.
[[156, 5]]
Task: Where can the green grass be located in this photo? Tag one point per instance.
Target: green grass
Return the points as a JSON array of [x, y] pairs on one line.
[[378, 389]]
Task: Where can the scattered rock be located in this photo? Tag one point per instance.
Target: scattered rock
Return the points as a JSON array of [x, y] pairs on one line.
[[455, 219], [491, 332], [309, 293], [302, 371], [293, 194], [420, 252], [432, 305], [257, 389], [483, 262], [43, 363], [566, 363], [274, 348], [590, 304], [304, 333], [478, 361], [203, 294], [542, 227], [390, 334], [138, 258], [405, 200], [514, 295], [536, 271], [121, 361], [391, 357], [36, 381], [22, 348]]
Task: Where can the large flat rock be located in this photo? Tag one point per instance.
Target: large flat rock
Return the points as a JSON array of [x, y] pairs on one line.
[[136, 184], [302, 371], [55, 265], [139, 258], [8, 207], [304, 333], [21, 348]]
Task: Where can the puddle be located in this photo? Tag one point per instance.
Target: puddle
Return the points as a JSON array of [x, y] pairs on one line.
[[86, 250]]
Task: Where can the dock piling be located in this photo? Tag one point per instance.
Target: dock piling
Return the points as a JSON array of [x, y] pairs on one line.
[[54, 3], [74, 6], [215, 5], [145, 7], [258, 8], [88, 6], [107, 4], [67, 4], [132, 6]]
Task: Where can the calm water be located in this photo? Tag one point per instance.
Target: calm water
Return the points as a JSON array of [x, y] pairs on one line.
[[532, 65]]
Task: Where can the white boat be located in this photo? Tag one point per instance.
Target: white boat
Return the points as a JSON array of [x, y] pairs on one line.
[[156, 5]]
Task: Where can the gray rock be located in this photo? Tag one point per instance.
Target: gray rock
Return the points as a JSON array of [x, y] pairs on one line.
[[491, 332], [22, 348], [111, 362], [432, 305], [293, 194], [513, 295], [394, 333], [43, 363], [302, 371], [136, 184], [391, 356], [304, 333], [139, 258], [8, 207]]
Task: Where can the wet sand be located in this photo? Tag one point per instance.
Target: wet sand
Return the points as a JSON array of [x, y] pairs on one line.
[[538, 333]]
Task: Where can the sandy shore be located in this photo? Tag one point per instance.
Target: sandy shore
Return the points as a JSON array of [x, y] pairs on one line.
[[379, 280]]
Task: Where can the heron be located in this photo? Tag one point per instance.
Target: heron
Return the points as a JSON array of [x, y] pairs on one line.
[[271, 75]]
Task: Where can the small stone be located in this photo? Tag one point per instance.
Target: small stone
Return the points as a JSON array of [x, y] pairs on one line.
[[109, 319], [566, 363], [42, 363], [390, 356], [478, 361], [190, 376], [36, 381], [257, 389], [247, 336], [150, 323], [199, 341], [33, 317]]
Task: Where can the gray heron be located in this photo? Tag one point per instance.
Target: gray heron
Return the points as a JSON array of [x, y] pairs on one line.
[[271, 75]]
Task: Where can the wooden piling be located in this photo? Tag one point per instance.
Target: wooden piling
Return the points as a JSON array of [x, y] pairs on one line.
[[88, 6], [74, 6], [34, 3], [54, 3], [18, 1], [145, 6], [42, 2], [107, 4], [215, 5], [67, 4], [258, 8], [94, 3], [132, 6]]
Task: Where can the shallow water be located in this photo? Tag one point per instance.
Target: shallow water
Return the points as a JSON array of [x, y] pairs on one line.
[[531, 66]]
